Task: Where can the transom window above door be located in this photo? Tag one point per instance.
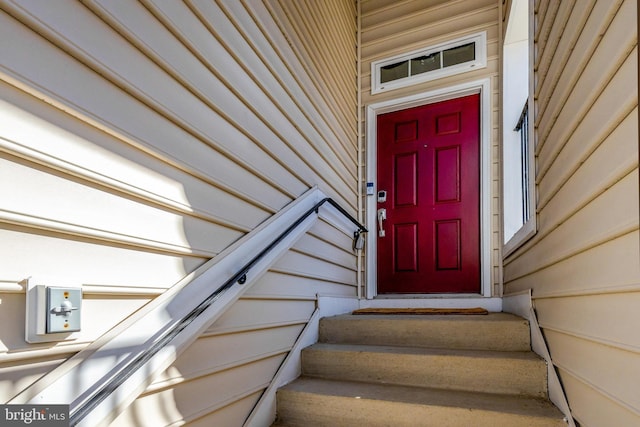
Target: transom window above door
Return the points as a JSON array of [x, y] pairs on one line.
[[434, 62]]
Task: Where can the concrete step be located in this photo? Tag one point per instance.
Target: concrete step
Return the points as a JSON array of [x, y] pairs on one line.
[[495, 331], [519, 373], [317, 402]]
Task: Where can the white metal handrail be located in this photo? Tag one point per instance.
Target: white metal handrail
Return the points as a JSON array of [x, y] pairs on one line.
[[109, 374]]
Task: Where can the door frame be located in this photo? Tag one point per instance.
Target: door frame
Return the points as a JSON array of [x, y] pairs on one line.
[[482, 87]]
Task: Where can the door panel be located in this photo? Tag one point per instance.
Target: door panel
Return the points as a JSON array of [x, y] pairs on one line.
[[406, 179], [429, 164], [447, 174], [448, 243], [406, 247]]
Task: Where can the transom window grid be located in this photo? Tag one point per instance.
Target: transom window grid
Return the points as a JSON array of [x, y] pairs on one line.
[[445, 59]]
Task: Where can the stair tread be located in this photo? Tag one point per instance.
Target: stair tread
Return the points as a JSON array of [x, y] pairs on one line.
[[520, 373], [494, 331], [426, 351], [491, 317], [521, 405]]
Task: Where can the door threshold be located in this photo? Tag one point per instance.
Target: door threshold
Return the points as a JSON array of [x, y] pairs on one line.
[[493, 304], [426, 296]]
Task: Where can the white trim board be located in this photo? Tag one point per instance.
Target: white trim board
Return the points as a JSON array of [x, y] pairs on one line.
[[520, 304], [483, 87]]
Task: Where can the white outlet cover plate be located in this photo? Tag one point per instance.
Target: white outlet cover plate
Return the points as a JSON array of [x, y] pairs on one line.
[[35, 316]]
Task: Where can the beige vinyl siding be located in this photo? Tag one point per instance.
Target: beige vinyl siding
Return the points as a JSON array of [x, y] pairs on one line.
[[325, 46], [393, 28], [140, 139], [583, 264]]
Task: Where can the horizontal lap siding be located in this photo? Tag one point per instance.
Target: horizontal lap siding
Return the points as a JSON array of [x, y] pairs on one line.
[[393, 28], [145, 138], [322, 36], [584, 262]]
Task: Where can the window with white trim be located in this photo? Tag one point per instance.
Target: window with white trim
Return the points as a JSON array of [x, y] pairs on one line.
[[444, 59], [518, 144]]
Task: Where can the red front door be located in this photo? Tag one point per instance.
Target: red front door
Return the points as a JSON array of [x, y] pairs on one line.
[[429, 166]]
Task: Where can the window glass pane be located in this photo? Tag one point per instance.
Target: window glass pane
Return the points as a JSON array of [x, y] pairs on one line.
[[458, 55], [422, 64], [395, 71]]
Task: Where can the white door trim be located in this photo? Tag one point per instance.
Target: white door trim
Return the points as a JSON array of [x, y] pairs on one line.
[[483, 87]]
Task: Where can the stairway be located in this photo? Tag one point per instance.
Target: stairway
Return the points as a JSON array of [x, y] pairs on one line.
[[404, 370]]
